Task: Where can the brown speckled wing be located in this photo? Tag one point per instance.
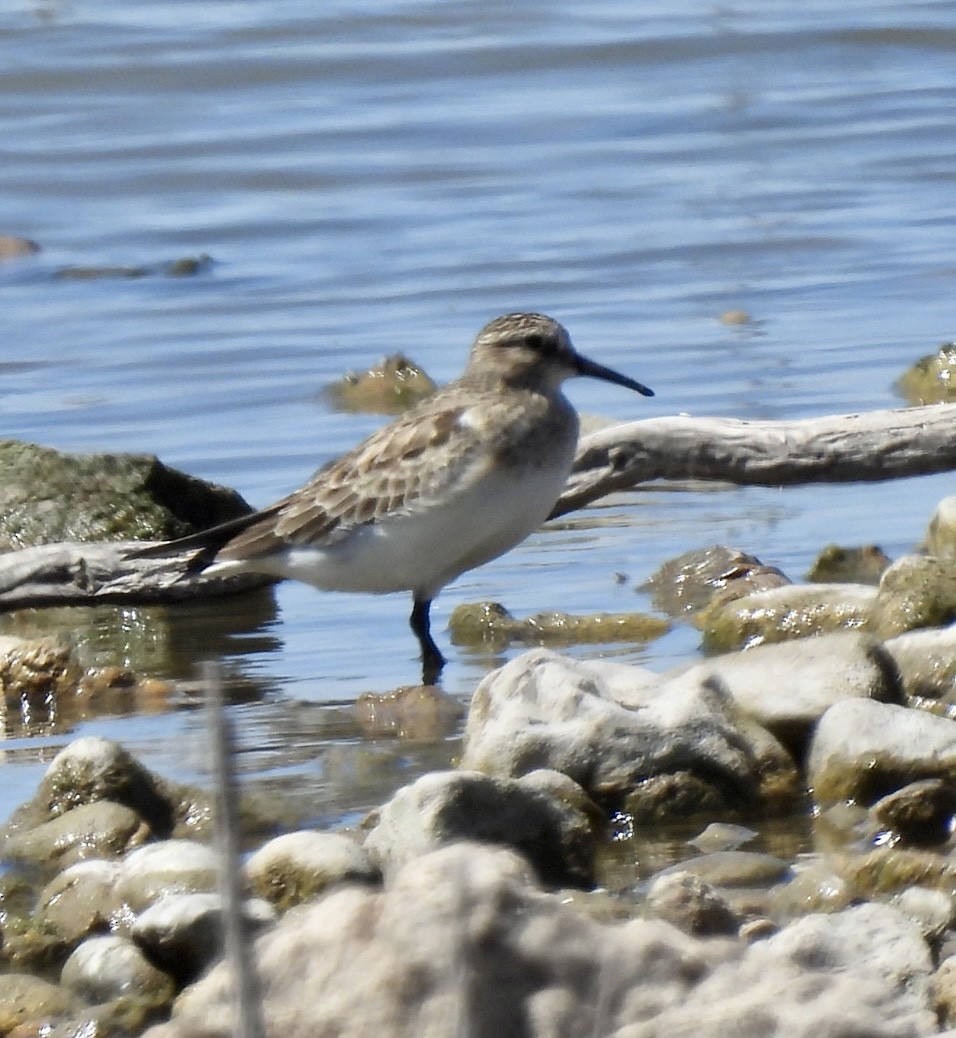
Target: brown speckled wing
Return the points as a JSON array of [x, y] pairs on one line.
[[405, 462]]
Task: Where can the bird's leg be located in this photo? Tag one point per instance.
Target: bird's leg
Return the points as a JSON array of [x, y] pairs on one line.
[[432, 659]]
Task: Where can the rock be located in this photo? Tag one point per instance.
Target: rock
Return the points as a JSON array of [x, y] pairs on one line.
[[916, 591], [94, 770], [25, 999], [733, 869], [100, 830], [863, 750], [104, 968], [888, 870], [919, 814], [944, 991], [553, 832], [418, 712], [36, 674], [544, 711], [837, 565], [940, 539], [690, 904], [787, 687], [691, 581], [874, 941], [488, 625], [931, 910], [722, 836], [124, 497], [12, 247], [785, 613], [172, 866], [932, 379], [299, 866], [926, 661], [461, 943], [392, 386], [79, 901], [814, 888], [182, 933]]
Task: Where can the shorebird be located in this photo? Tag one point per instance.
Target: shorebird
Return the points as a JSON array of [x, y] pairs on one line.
[[452, 483]]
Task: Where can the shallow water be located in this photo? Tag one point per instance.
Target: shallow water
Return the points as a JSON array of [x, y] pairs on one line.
[[366, 183]]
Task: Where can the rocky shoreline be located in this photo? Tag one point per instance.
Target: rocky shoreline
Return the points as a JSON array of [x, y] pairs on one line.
[[476, 898]]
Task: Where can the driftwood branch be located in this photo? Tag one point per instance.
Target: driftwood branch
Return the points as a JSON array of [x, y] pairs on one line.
[[863, 448], [75, 573], [879, 445]]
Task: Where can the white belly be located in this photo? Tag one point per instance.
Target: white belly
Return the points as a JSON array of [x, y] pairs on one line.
[[427, 549]]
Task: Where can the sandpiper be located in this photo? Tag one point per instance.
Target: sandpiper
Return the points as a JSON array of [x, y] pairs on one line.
[[458, 480]]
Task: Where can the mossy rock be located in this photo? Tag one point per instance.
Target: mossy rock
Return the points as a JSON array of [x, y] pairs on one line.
[[48, 497]]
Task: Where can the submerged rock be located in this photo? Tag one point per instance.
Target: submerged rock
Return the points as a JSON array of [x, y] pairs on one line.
[[691, 581], [489, 625], [462, 942]]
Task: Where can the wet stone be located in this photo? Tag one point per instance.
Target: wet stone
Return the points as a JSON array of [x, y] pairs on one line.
[[733, 869], [553, 832], [940, 539], [858, 565], [107, 967], [79, 901], [863, 750], [786, 613], [692, 905], [392, 386], [919, 814], [99, 830], [172, 866], [932, 379], [299, 866], [926, 661], [183, 933], [489, 625], [26, 999], [689, 582], [916, 591]]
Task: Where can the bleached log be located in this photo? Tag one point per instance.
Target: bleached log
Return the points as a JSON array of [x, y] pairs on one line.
[[869, 447], [75, 573]]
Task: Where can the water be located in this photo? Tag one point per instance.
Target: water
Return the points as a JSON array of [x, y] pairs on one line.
[[368, 182]]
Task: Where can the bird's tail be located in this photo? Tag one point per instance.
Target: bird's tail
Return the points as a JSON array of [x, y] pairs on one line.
[[207, 543]]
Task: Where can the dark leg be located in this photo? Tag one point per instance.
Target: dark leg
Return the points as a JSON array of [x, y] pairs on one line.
[[432, 659]]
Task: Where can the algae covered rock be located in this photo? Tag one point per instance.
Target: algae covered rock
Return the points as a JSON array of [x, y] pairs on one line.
[[299, 866], [863, 750], [47, 496], [932, 379]]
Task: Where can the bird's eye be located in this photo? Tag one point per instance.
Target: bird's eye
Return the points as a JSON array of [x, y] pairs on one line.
[[535, 340]]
